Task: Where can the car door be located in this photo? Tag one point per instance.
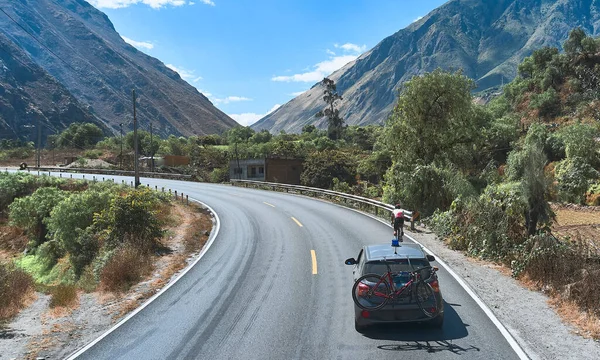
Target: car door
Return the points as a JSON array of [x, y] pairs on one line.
[[357, 271]]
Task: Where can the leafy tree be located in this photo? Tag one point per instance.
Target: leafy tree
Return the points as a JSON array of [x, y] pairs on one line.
[[433, 117], [335, 122], [173, 146], [144, 142], [29, 212], [321, 167], [239, 134], [79, 135], [264, 136], [573, 45]]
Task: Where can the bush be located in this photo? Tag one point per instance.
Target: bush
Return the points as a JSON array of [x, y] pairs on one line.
[[29, 212], [548, 102], [63, 295], [341, 186], [15, 284], [132, 219], [574, 177], [70, 219], [125, 267], [92, 154], [219, 175]]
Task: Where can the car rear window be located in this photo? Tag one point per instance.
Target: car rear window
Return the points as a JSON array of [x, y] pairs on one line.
[[396, 266]]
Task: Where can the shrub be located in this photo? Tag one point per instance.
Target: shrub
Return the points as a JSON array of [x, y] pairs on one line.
[[547, 103], [131, 219], [219, 175], [69, 221], [341, 186], [29, 212], [63, 295], [92, 154], [125, 267], [15, 284], [574, 177]]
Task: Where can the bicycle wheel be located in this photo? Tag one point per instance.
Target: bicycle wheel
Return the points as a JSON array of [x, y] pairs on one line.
[[426, 299], [371, 292]]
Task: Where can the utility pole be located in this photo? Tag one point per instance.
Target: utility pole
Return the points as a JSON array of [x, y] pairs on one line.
[[121, 156], [135, 146], [151, 150], [239, 169], [39, 141]]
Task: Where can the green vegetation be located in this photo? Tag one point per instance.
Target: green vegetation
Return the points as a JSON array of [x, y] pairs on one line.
[[80, 236]]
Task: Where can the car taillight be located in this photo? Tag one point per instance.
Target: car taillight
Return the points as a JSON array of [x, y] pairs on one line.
[[435, 286], [365, 314], [362, 289]]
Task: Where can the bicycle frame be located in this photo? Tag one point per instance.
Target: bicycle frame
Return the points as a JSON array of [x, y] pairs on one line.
[[394, 292]]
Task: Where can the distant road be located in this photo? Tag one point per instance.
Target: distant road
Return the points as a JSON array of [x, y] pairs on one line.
[[274, 286]]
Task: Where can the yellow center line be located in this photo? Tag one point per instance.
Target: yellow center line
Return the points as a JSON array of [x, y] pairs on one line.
[[266, 203], [314, 262], [296, 221]]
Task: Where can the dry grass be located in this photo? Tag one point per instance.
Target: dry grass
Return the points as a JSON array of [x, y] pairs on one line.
[[16, 288], [12, 238], [127, 267], [63, 295], [587, 323]]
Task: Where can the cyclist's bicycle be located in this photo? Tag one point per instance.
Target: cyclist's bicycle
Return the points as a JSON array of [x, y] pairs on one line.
[[373, 292]]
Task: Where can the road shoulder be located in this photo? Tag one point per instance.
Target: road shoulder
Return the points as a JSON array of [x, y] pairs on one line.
[[525, 313]]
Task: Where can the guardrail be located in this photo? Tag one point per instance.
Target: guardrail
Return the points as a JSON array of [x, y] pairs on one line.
[[378, 208], [111, 172]]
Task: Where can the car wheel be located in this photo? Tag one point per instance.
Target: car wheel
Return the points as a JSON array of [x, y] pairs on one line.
[[358, 327], [437, 322]]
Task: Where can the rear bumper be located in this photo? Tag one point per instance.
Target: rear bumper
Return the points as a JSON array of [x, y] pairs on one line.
[[392, 315]]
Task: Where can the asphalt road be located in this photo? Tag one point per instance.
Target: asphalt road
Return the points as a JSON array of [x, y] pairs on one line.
[[254, 295]]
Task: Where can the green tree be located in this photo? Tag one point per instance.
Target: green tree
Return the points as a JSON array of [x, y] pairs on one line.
[[573, 45], [580, 141], [321, 167], [433, 117], [335, 122], [79, 135], [574, 177]]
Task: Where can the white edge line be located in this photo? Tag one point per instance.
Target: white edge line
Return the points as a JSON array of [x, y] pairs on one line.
[[205, 248], [507, 335]]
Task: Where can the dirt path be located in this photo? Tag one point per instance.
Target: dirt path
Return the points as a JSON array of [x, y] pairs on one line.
[[39, 331]]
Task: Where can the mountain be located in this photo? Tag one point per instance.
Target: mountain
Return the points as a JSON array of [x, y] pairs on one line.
[[29, 94], [485, 39], [84, 53]]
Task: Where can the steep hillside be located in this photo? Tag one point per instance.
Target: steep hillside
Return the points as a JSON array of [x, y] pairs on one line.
[[485, 39], [100, 69], [28, 94]]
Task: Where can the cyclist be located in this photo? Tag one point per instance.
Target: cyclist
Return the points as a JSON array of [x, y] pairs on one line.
[[398, 220]]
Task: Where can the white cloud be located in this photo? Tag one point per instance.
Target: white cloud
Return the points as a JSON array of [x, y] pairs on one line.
[[298, 93], [187, 75], [329, 52], [155, 4], [320, 70], [139, 44], [247, 119], [231, 99], [349, 47]]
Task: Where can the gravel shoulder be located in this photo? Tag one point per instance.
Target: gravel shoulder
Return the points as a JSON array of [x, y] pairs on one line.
[[526, 314]]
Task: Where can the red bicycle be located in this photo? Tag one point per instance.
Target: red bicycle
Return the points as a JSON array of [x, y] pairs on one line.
[[373, 292]]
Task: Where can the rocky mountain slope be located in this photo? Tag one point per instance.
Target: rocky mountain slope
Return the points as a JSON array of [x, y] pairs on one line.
[[485, 39], [99, 69], [28, 95]]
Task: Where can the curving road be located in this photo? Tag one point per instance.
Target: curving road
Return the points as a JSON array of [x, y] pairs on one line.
[[254, 295]]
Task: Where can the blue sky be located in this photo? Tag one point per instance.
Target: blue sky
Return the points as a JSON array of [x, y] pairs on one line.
[[250, 56]]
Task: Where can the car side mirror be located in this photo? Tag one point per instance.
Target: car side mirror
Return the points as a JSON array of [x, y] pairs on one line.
[[430, 258], [350, 261]]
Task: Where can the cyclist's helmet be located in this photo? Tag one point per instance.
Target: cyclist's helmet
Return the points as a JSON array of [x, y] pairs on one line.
[[398, 206]]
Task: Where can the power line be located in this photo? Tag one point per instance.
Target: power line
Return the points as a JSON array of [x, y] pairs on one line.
[[38, 41]]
